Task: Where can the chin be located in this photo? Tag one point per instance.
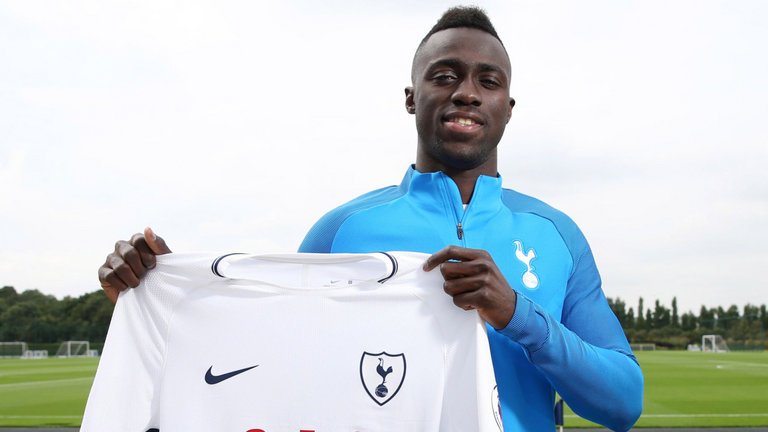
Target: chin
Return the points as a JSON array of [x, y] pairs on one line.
[[458, 156], [464, 162], [465, 159]]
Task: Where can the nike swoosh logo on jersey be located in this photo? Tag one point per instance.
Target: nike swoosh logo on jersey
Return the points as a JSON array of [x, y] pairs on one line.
[[212, 379]]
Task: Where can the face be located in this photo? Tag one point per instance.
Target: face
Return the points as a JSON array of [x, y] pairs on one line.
[[460, 97]]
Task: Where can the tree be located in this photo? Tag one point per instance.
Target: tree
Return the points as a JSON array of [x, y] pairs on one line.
[[660, 316], [727, 319], [688, 322], [8, 293], [34, 317], [706, 318], [88, 317], [619, 309], [675, 318], [648, 320]]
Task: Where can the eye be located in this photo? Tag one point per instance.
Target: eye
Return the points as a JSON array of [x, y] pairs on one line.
[[490, 82], [444, 77]]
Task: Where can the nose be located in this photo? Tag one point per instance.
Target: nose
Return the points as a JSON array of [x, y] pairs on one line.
[[466, 93]]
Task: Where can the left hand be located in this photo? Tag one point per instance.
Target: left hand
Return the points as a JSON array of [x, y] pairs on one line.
[[475, 282]]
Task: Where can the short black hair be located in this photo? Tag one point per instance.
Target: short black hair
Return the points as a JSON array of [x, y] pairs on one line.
[[458, 17], [463, 16]]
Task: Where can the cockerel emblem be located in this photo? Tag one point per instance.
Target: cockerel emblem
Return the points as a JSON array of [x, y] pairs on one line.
[[530, 280], [382, 375]]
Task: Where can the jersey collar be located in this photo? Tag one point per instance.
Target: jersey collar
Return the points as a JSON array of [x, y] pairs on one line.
[[437, 189]]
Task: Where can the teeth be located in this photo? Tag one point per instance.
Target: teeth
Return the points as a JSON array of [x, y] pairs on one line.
[[465, 122]]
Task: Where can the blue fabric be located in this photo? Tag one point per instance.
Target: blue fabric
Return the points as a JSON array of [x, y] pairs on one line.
[[563, 336]]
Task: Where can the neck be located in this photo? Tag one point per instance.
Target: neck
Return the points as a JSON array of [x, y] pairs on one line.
[[464, 179]]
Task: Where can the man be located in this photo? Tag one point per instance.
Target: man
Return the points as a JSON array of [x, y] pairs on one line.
[[524, 266]]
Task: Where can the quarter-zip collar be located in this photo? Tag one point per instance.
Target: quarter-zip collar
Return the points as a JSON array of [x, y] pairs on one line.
[[436, 192]]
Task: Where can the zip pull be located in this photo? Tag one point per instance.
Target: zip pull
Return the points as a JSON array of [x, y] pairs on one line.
[[459, 231]]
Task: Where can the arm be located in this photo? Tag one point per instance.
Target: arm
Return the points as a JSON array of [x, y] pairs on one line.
[[586, 357], [129, 262]]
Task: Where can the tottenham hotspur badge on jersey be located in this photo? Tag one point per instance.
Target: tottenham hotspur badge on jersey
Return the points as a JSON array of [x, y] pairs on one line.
[[530, 280], [496, 407], [382, 375]]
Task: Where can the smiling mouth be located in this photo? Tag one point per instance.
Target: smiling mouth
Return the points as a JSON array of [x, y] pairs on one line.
[[465, 121], [462, 124]]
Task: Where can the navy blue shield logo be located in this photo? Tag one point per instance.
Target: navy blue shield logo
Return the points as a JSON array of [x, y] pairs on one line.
[[382, 375]]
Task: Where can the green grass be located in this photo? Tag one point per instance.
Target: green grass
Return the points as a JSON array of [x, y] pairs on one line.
[[697, 389], [681, 389], [44, 392]]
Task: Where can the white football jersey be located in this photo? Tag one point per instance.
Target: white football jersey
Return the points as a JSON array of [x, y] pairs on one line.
[[290, 343]]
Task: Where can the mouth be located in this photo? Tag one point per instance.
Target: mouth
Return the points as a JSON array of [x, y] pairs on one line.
[[462, 122]]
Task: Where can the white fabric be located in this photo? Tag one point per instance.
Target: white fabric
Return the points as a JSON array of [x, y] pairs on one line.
[[305, 321]]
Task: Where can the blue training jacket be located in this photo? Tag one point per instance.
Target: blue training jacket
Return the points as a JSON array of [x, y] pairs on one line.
[[563, 336]]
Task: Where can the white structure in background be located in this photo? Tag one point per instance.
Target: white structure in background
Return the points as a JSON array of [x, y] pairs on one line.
[[643, 347], [713, 343], [35, 354], [13, 349], [76, 349]]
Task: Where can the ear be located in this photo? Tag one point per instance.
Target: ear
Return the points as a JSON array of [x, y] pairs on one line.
[[409, 105], [511, 105]]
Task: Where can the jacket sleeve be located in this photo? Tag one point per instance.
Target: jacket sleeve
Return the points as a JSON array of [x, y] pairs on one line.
[[586, 355]]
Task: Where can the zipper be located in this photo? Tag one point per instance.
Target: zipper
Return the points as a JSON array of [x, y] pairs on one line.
[[459, 220]]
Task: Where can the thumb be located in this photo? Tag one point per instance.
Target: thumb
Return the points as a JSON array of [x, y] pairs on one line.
[[157, 244], [111, 292]]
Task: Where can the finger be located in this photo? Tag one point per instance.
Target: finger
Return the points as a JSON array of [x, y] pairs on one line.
[[457, 287], [136, 254], [156, 244], [458, 270], [477, 299], [123, 271], [452, 253], [437, 258], [496, 308], [111, 293], [109, 280], [466, 301], [146, 255]]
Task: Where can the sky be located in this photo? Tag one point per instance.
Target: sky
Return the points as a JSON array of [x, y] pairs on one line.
[[234, 125]]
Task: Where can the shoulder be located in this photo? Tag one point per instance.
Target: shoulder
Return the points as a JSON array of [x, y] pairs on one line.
[[320, 236], [517, 202]]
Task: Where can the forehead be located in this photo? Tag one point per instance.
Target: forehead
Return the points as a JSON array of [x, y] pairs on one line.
[[467, 45]]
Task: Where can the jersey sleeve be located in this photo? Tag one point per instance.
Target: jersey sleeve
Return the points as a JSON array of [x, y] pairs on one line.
[[590, 366], [470, 399], [121, 394], [123, 390], [469, 395]]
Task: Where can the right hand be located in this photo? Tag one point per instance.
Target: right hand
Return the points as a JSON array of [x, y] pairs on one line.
[[129, 262]]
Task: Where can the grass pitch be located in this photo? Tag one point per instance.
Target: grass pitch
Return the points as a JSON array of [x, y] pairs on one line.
[[44, 392], [681, 389], [696, 389]]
